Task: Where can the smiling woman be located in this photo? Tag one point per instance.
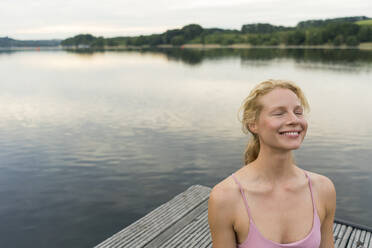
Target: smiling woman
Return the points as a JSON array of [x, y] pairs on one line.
[[278, 107], [271, 202]]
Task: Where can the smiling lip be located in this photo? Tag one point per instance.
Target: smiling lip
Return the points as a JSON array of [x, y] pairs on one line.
[[291, 133]]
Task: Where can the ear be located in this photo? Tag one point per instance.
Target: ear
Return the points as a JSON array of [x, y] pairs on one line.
[[252, 127]]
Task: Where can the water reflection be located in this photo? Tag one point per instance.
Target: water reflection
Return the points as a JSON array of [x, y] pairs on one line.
[[349, 57], [328, 58], [94, 141]]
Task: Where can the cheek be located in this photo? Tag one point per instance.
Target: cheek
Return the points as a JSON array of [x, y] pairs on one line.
[[304, 124], [269, 125], [274, 124]]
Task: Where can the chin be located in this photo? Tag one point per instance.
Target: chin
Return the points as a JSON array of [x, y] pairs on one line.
[[291, 147]]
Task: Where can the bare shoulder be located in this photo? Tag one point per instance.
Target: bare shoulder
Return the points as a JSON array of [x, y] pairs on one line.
[[225, 192], [223, 196], [325, 189], [323, 183], [221, 214]]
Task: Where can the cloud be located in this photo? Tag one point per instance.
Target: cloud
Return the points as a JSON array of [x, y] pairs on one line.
[[61, 19], [98, 30]]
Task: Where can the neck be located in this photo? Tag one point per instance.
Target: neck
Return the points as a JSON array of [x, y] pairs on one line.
[[273, 166]]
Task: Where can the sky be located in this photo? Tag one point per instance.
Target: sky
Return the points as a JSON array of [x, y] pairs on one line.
[[60, 19]]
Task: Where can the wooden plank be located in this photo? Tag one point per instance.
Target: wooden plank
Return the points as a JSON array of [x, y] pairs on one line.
[[367, 240], [336, 234], [356, 242], [345, 237], [207, 241], [179, 227], [196, 234], [362, 237], [183, 222], [192, 235], [341, 238], [350, 241], [144, 230]]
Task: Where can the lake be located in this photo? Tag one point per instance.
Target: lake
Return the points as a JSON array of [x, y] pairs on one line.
[[92, 141]]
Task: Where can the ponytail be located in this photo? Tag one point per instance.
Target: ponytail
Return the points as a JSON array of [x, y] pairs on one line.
[[252, 149]]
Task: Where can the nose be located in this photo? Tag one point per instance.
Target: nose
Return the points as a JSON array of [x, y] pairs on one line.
[[292, 119]]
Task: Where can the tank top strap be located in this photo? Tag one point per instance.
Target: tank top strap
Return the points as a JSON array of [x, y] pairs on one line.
[[311, 189], [243, 195]]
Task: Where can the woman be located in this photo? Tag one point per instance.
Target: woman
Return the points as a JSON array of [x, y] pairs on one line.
[[271, 202]]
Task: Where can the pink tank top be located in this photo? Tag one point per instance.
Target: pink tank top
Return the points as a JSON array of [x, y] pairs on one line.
[[256, 239]]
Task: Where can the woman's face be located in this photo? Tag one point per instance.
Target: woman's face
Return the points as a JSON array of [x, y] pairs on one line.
[[281, 124]]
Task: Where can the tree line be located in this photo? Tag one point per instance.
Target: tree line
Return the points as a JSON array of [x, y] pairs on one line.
[[338, 31], [9, 42]]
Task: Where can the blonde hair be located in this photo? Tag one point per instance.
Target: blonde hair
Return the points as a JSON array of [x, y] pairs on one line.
[[252, 108]]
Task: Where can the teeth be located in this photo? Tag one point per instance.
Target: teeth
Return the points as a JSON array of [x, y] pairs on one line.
[[291, 133]]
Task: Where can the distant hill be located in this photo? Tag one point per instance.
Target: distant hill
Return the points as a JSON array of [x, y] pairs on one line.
[[365, 22], [265, 28], [322, 23], [9, 42], [344, 31]]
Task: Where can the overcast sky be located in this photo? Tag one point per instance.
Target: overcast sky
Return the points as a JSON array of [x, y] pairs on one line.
[[60, 19]]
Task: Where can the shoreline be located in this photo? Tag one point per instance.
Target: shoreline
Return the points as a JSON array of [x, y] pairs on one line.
[[31, 48], [362, 46]]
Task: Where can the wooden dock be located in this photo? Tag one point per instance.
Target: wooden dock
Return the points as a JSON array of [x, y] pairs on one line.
[[183, 222]]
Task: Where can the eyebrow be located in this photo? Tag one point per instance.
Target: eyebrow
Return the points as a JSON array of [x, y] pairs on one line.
[[283, 107]]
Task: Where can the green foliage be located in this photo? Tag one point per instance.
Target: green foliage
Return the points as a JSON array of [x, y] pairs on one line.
[[9, 42], [352, 41], [331, 31], [178, 40], [314, 37], [274, 41], [169, 34], [338, 40], [197, 40], [222, 38], [191, 31], [227, 41], [253, 40], [365, 33], [81, 39], [323, 23], [264, 39], [98, 43], [337, 31], [140, 40], [155, 39], [213, 38], [262, 28], [296, 37], [365, 22], [112, 42]]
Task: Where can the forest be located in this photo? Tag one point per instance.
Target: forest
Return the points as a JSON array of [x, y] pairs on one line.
[[349, 31]]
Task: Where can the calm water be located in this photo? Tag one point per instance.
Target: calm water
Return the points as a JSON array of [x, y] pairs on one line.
[[90, 142]]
